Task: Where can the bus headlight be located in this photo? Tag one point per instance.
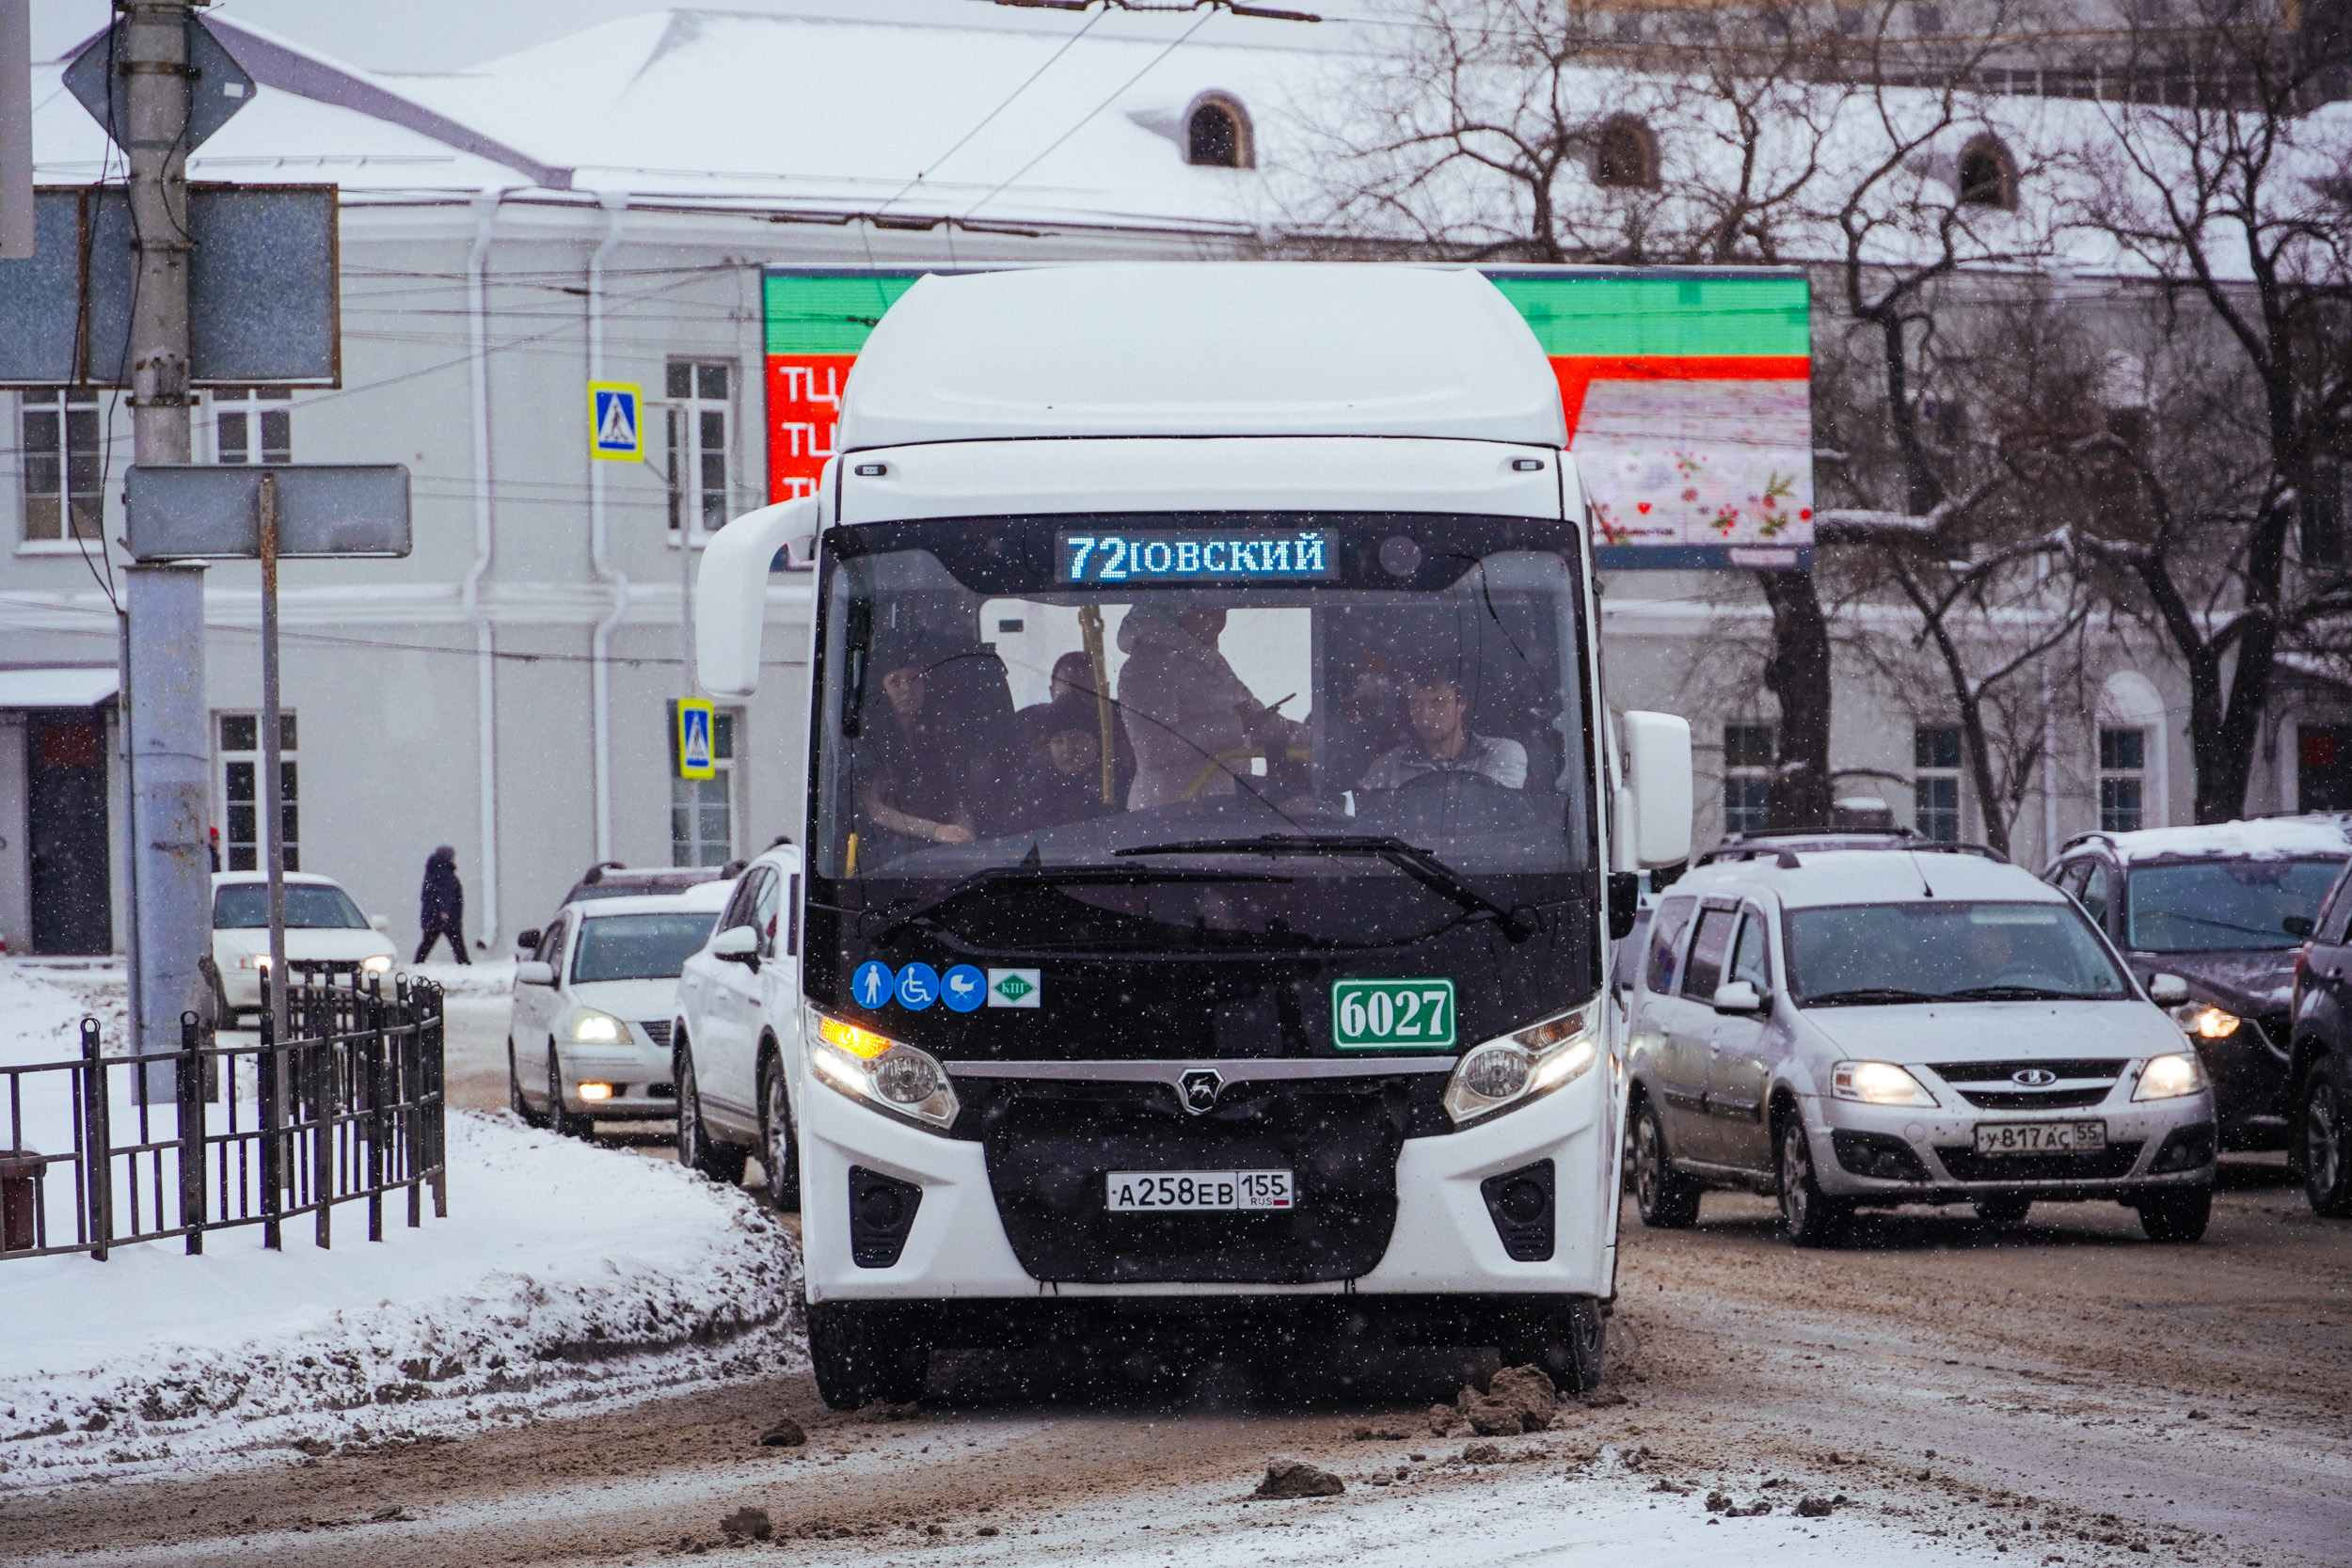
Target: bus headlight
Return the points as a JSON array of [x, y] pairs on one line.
[[889, 1075], [1522, 1067]]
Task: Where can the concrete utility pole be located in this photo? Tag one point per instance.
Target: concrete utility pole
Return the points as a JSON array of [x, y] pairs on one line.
[[163, 608], [16, 130]]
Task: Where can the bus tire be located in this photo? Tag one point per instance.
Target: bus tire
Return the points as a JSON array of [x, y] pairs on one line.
[[1569, 1339]]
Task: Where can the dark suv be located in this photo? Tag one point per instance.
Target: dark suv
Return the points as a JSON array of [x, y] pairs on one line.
[[2226, 907], [2319, 1078]]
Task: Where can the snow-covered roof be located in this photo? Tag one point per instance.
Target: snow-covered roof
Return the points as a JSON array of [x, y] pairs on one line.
[[223, 879], [1193, 349], [2271, 838], [58, 686], [1832, 876], [701, 898]]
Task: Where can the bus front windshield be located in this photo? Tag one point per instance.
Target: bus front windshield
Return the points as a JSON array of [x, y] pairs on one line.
[[1202, 734]]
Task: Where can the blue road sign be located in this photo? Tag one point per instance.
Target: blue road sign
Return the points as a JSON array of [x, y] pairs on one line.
[[964, 989], [872, 984], [614, 431], [918, 987]]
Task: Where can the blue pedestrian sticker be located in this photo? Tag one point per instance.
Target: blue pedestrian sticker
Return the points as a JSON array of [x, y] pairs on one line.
[[872, 984], [918, 987], [964, 989]]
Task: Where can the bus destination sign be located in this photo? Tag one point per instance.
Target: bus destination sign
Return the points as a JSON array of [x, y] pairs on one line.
[[1228, 555]]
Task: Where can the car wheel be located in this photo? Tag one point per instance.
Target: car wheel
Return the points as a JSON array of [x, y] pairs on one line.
[[1568, 1340], [1811, 1217], [857, 1358], [1668, 1200], [2178, 1216], [696, 1149], [515, 1100], [2003, 1213], [779, 1151], [2321, 1133], [566, 1125]]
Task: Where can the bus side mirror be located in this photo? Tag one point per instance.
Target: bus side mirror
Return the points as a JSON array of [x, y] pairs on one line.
[[731, 591], [1625, 903], [1654, 804], [526, 941]]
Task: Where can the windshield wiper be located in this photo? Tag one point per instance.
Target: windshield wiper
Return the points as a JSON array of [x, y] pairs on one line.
[[905, 914], [1415, 862], [2015, 993], [1867, 996]]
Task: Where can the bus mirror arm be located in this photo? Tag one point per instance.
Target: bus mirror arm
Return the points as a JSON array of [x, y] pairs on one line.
[[731, 591]]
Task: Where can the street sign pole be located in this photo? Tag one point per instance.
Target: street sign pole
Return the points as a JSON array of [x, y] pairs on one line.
[[165, 706], [16, 130], [273, 744]]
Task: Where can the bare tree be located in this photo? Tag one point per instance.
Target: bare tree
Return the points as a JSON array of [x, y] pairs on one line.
[[2236, 209]]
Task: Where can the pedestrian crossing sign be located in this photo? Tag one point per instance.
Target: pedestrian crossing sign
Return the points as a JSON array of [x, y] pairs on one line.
[[615, 432], [694, 756]]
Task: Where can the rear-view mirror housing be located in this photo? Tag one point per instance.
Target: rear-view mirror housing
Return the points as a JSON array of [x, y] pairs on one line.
[[1739, 996], [534, 973]]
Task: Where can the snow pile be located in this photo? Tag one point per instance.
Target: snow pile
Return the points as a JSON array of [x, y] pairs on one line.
[[483, 977], [565, 1276], [42, 1007]]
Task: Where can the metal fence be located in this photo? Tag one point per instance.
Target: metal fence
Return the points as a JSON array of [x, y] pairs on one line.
[[222, 1133]]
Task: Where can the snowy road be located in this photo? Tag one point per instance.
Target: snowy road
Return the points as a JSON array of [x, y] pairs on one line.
[[2194, 1402]]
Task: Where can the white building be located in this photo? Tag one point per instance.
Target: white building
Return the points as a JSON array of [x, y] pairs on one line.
[[601, 208]]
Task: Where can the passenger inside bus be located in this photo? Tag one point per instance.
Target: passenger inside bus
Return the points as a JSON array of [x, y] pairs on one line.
[[1437, 714], [914, 787], [1190, 718], [1061, 779], [1071, 705]]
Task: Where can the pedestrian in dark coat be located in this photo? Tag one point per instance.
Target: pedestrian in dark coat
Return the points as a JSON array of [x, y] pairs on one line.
[[441, 906]]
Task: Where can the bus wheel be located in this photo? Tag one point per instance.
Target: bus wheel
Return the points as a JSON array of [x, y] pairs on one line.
[[1568, 1339], [858, 1357]]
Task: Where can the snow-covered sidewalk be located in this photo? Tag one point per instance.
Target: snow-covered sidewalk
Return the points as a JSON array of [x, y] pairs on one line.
[[565, 1275]]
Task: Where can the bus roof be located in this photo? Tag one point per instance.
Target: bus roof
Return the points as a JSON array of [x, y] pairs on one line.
[[1173, 349]]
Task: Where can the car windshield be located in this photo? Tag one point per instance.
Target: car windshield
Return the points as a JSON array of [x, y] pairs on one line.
[[1203, 732], [638, 946], [2222, 906], [1868, 954], [310, 907]]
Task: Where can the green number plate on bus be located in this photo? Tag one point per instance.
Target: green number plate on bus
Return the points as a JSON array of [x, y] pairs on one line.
[[1392, 1015]]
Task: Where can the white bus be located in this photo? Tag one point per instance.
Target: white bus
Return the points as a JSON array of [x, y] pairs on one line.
[[1214, 831]]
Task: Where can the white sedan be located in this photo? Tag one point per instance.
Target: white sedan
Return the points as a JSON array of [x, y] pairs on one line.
[[593, 994], [322, 923]]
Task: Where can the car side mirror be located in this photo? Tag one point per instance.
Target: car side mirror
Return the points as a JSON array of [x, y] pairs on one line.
[[2296, 925], [379, 922], [2167, 990], [737, 944], [526, 940], [534, 973], [1739, 996]]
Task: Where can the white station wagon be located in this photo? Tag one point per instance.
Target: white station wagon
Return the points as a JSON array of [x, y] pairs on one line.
[[1851, 1020]]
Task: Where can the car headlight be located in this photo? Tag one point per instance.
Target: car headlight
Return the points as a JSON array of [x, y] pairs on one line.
[[254, 960], [591, 1027], [2207, 1023], [1876, 1083], [889, 1075], [377, 965], [2170, 1076], [1520, 1068]]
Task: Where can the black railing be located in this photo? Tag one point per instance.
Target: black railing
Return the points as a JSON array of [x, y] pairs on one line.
[[348, 1108]]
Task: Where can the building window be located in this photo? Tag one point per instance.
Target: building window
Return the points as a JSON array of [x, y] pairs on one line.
[[1988, 175], [252, 425], [702, 810], [1217, 133], [1935, 766], [1927, 20], [1747, 777], [241, 847], [2123, 780], [1850, 20], [63, 466], [700, 428], [1625, 155]]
